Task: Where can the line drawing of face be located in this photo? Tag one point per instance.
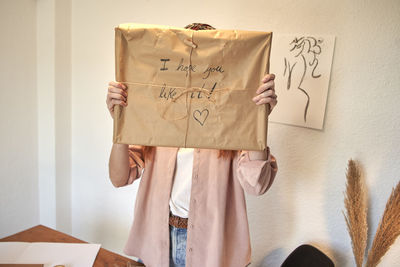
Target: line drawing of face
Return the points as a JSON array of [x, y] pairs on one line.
[[305, 51]]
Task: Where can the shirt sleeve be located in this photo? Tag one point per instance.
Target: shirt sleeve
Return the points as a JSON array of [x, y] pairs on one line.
[[256, 176], [136, 163]]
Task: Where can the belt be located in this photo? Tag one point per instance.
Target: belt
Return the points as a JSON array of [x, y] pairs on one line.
[[177, 221]]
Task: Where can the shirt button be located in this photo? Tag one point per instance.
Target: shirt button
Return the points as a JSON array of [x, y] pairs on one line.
[[191, 226], [194, 200], [190, 249]]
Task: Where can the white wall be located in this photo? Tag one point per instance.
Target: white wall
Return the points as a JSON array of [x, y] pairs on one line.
[[19, 204], [306, 202], [54, 112], [62, 66], [35, 115]]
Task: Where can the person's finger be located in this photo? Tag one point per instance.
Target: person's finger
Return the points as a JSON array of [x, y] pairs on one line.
[[118, 102], [268, 77], [112, 102], [112, 89], [116, 96], [116, 89], [117, 84], [270, 85], [111, 96], [272, 106], [264, 101], [273, 95], [268, 93], [267, 100]]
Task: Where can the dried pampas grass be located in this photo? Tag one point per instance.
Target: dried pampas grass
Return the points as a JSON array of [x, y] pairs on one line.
[[356, 206], [388, 229], [356, 219]]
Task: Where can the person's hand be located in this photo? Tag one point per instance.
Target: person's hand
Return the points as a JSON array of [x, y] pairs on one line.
[[116, 95], [266, 92]]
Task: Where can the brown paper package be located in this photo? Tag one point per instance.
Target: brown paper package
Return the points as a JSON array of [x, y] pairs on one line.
[[191, 88]]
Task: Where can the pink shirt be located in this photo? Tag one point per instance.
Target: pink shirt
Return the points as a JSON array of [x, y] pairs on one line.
[[218, 231]]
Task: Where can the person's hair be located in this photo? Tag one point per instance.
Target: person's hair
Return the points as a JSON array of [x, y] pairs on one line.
[[229, 154], [199, 26]]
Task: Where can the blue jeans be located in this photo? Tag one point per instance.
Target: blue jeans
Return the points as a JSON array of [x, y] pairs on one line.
[[177, 247]]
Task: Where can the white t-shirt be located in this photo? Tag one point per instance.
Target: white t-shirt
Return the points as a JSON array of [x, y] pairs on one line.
[[182, 184]]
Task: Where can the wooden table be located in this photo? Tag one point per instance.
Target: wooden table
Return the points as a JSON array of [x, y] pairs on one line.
[[40, 233]]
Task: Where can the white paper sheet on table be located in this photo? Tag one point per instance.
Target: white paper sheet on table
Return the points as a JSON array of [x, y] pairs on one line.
[[49, 254]]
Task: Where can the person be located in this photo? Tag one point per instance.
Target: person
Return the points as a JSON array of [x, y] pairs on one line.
[[190, 206]]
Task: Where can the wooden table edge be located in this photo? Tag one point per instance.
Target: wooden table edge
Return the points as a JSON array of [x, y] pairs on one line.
[[103, 258]]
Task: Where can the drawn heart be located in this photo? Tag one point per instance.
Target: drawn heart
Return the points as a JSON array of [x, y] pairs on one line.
[[201, 116]]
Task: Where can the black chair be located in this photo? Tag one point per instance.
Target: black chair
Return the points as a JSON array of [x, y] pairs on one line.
[[307, 256]]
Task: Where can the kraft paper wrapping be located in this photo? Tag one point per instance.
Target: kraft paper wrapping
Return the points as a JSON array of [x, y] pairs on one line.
[[191, 88]]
